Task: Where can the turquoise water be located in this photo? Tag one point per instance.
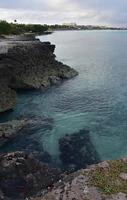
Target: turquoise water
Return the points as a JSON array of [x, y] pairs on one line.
[[95, 100]]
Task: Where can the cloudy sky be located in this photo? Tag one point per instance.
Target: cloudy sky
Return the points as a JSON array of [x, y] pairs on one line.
[[102, 12]]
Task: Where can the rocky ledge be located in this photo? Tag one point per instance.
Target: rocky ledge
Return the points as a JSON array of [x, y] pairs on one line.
[[21, 176], [105, 181], [24, 177], [9, 130], [20, 128], [26, 63]]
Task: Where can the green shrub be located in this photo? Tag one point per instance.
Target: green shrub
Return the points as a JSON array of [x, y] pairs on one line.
[[14, 28]]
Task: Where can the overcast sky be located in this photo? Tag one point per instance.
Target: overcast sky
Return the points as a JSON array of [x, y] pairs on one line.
[[102, 12]]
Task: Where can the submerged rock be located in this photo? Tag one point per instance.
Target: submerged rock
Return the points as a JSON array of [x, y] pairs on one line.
[[22, 175], [21, 129], [77, 150], [20, 135], [9, 130]]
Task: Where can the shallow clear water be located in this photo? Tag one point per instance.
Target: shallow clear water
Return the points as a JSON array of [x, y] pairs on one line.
[[95, 100]]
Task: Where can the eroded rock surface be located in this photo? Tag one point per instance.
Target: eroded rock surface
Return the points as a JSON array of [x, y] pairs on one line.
[[22, 175], [18, 129], [9, 130], [98, 182], [8, 98], [28, 64]]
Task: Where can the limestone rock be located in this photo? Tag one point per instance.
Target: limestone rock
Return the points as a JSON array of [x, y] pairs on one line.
[[8, 98], [99, 182], [9, 130], [22, 175], [15, 128], [123, 176], [26, 63]]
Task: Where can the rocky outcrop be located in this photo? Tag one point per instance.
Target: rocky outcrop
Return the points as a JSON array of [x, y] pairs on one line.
[[23, 128], [36, 66], [21, 37], [9, 130], [8, 98], [27, 63], [98, 182], [22, 176]]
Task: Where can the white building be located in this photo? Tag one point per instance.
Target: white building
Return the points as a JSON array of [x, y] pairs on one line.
[[70, 24]]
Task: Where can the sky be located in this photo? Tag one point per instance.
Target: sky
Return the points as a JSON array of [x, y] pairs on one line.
[[94, 12]]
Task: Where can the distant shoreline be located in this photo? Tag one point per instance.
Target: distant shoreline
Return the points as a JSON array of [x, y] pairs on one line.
[[88, 30]]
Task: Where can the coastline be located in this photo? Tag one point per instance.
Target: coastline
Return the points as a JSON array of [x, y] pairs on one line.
[[25, 175], [26, 63]]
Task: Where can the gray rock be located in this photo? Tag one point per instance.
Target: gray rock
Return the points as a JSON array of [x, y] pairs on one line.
[[22, 175], [119, 196], [123, 176], [78, 185], [27, 63], [75, 146], [8, 98], [9, 130]]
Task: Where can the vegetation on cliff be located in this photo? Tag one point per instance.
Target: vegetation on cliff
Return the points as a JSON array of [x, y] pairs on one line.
[[15, 28], [110, 180]]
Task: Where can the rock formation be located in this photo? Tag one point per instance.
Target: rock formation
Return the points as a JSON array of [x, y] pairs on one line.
[[25, 64], [9, 130], [8, 98], [77, 150], [28, 64], [98, 182], [18, 129], [22, 176]]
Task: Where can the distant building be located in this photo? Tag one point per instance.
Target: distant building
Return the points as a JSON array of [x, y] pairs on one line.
[[70, 24]]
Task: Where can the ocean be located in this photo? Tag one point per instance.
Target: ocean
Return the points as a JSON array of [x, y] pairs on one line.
[[96, 100]]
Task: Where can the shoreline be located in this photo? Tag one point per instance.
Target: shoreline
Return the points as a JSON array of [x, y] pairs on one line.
[[30, 64], [26, 63]]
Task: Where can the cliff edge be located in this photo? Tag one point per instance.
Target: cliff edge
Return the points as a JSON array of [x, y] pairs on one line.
[[105, 181], [26, 63], [24, 177]]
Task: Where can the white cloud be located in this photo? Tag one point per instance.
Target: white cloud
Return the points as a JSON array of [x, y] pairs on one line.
[[107, 12]]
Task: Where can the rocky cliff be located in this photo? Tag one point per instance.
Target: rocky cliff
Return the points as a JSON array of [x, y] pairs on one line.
[[27, 63], [105, 181], [24, 177]]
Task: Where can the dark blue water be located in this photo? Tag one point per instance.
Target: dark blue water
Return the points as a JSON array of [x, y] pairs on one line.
[[95, 100]]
